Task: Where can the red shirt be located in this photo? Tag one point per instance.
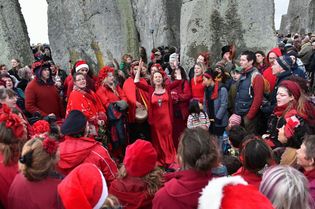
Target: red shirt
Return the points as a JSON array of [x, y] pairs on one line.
[[249, 177]]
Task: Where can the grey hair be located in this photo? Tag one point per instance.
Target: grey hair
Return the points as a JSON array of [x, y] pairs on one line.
[[22, 73], [286, 188]]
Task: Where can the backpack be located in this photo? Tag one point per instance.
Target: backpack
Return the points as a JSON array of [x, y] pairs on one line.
[[266, 82]]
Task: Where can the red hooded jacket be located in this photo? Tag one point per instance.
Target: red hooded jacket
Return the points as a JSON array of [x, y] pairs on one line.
[[268, 72], [75, 151]]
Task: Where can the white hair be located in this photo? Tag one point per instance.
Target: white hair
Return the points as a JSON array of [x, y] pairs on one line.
[[286, 188]]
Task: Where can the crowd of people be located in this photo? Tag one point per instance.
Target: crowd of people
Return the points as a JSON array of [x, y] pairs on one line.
[[150, 134]]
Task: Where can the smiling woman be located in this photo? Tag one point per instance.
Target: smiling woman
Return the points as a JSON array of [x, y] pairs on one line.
[[35, 15]]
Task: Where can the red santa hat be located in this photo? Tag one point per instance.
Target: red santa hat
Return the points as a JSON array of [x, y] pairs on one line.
[[84, 187], [232, 193], [140, 158], [80, 64]]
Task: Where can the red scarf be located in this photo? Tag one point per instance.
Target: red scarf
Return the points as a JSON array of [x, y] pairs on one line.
[[215, 91], [278, 111]]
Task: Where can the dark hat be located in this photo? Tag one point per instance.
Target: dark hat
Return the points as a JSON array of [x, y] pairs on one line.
[[225, 49], [292, 53], [74, 123], [285, 62]]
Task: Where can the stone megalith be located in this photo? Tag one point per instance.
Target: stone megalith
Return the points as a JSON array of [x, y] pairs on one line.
[[96, 31], [158, 22], [300, 17], [207, 25], [14, 40]]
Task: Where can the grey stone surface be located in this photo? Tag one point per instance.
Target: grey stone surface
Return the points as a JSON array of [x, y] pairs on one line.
[[158, 22], [94, 30], [14, 40], [300, 17], [207, 25]]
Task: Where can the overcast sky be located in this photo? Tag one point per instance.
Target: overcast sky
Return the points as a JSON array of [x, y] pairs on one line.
[[35, 15]]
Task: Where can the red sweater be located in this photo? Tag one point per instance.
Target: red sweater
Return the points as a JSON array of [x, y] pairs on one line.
[[34, 194], [43, 99], [131, 192], [258, 88], [75, 151], [7, 174], [182, 190]]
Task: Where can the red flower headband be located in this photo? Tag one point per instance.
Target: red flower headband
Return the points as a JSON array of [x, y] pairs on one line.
[[50, 145], [40, 127], [12, 121]]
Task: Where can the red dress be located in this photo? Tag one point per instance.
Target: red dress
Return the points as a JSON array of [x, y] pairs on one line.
[[161, 120], [162, 131]]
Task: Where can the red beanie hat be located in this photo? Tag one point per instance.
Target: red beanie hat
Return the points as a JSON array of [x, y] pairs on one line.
[[84, 187], [292, 87], [140, 158], [80, 64], [232, 193]]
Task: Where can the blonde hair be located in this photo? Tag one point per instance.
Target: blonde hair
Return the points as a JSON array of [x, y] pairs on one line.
[[41, 163], [111, 202]]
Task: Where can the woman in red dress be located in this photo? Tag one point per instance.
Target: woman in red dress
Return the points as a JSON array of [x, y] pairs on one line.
[[87, 102], [161, 114]]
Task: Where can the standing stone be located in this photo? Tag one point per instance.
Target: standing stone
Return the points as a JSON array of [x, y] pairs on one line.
[[207, 25], [14, 40], [300, 17], [158, 22], [96, 31]]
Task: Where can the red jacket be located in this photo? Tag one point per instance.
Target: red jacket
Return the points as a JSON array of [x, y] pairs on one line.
[[150, 90], [181, 96], [249, 177], [107, 95], [88, 103], [197, 89], [7, 174], [43, 99], [34, 194], [268, 72], [131, 192], [130, 89], [75, 151], [182, 190]]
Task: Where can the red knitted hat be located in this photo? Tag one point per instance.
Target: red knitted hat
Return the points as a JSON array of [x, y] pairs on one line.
[[80, 64], [292, 87], [84, 187], [140, 158], [232, 193]]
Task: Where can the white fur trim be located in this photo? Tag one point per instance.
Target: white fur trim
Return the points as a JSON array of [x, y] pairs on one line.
[[212, 194], [81, 66], [104, 194]]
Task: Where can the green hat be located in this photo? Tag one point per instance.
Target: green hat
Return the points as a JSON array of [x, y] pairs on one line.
[[238, 69]]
